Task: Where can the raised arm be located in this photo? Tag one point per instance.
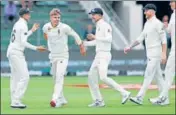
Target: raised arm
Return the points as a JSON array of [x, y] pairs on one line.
[[24, 36]]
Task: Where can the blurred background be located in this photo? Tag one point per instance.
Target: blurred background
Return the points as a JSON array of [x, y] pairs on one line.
[[126, 18]]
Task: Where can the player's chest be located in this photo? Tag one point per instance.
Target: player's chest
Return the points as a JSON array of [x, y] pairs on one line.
[[100, 31], [150, 29], [55, 33]]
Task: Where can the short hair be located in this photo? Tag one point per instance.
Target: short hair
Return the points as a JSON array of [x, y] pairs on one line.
[[55, 11]]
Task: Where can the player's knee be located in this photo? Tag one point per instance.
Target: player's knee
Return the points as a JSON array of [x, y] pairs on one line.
[[25, 79], [90, 74]]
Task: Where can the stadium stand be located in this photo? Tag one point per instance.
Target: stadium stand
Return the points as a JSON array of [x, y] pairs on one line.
[[72, 14]]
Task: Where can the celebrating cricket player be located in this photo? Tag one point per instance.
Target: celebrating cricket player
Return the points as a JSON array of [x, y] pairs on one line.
[[99, 68], [155, 40], [56, 33], [15, 53], [170, 66]]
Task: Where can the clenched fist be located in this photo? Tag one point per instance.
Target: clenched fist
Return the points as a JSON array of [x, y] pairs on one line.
[[35, 27]]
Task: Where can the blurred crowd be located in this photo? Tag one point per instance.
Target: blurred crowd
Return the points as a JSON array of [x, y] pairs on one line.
[[10, 10], [11, 15]]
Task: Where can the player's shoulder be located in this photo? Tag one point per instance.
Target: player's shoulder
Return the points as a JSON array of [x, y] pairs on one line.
[[64, 25], [19, 25], [46, 24], [106, 24], [157, 21]]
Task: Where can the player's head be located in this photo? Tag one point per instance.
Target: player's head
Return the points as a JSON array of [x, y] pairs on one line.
[[96, 14], [149, 10], [172, 4], [25, 13], [55, 16]]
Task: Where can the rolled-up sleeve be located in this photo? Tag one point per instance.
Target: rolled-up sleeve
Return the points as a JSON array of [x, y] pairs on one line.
[[161, 31]]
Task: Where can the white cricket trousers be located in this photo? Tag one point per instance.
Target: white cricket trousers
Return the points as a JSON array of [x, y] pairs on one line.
[[153, 71], [169, 73], [19, 77], [58, 70], [99, 69]]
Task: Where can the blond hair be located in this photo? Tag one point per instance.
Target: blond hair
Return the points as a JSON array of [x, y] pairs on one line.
[[55, 11]]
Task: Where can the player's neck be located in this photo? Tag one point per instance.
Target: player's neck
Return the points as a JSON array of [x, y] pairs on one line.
[[23, 19], [99, 20], [151, 17], [54, 25]]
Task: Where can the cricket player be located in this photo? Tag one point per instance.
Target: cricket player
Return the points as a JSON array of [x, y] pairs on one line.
[[56, 33], [99, 68], [170, 66], [155, 39], [15, 54]]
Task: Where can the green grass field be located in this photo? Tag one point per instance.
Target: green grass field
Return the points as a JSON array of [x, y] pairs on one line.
[[40, 89]]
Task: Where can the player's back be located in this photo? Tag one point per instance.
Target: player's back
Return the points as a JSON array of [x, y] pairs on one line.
[[15, 43]]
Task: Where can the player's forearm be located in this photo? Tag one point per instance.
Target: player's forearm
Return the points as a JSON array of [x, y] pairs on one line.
[[76, 37], [90, 43], [164, 48], [135, 43], [105, 39], [26, 44], [81, 46], [29, 33], [30, 46]]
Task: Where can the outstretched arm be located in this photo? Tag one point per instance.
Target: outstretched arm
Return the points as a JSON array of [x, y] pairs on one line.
[[135, 43], [78, 40]]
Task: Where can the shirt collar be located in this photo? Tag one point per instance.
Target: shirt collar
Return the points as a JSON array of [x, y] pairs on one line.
[[99, 22], [23, 20], [56, 26]]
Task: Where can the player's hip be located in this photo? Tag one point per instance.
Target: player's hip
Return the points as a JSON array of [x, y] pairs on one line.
[[15, 51], [103, 55], [58, 57]]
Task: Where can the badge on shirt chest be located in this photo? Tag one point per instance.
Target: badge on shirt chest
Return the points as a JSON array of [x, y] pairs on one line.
[[49, 29]]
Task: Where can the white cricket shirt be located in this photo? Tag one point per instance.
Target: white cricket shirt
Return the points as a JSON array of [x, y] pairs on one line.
[[19, 36], [58, 40], [154, 36], [103, 39]]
